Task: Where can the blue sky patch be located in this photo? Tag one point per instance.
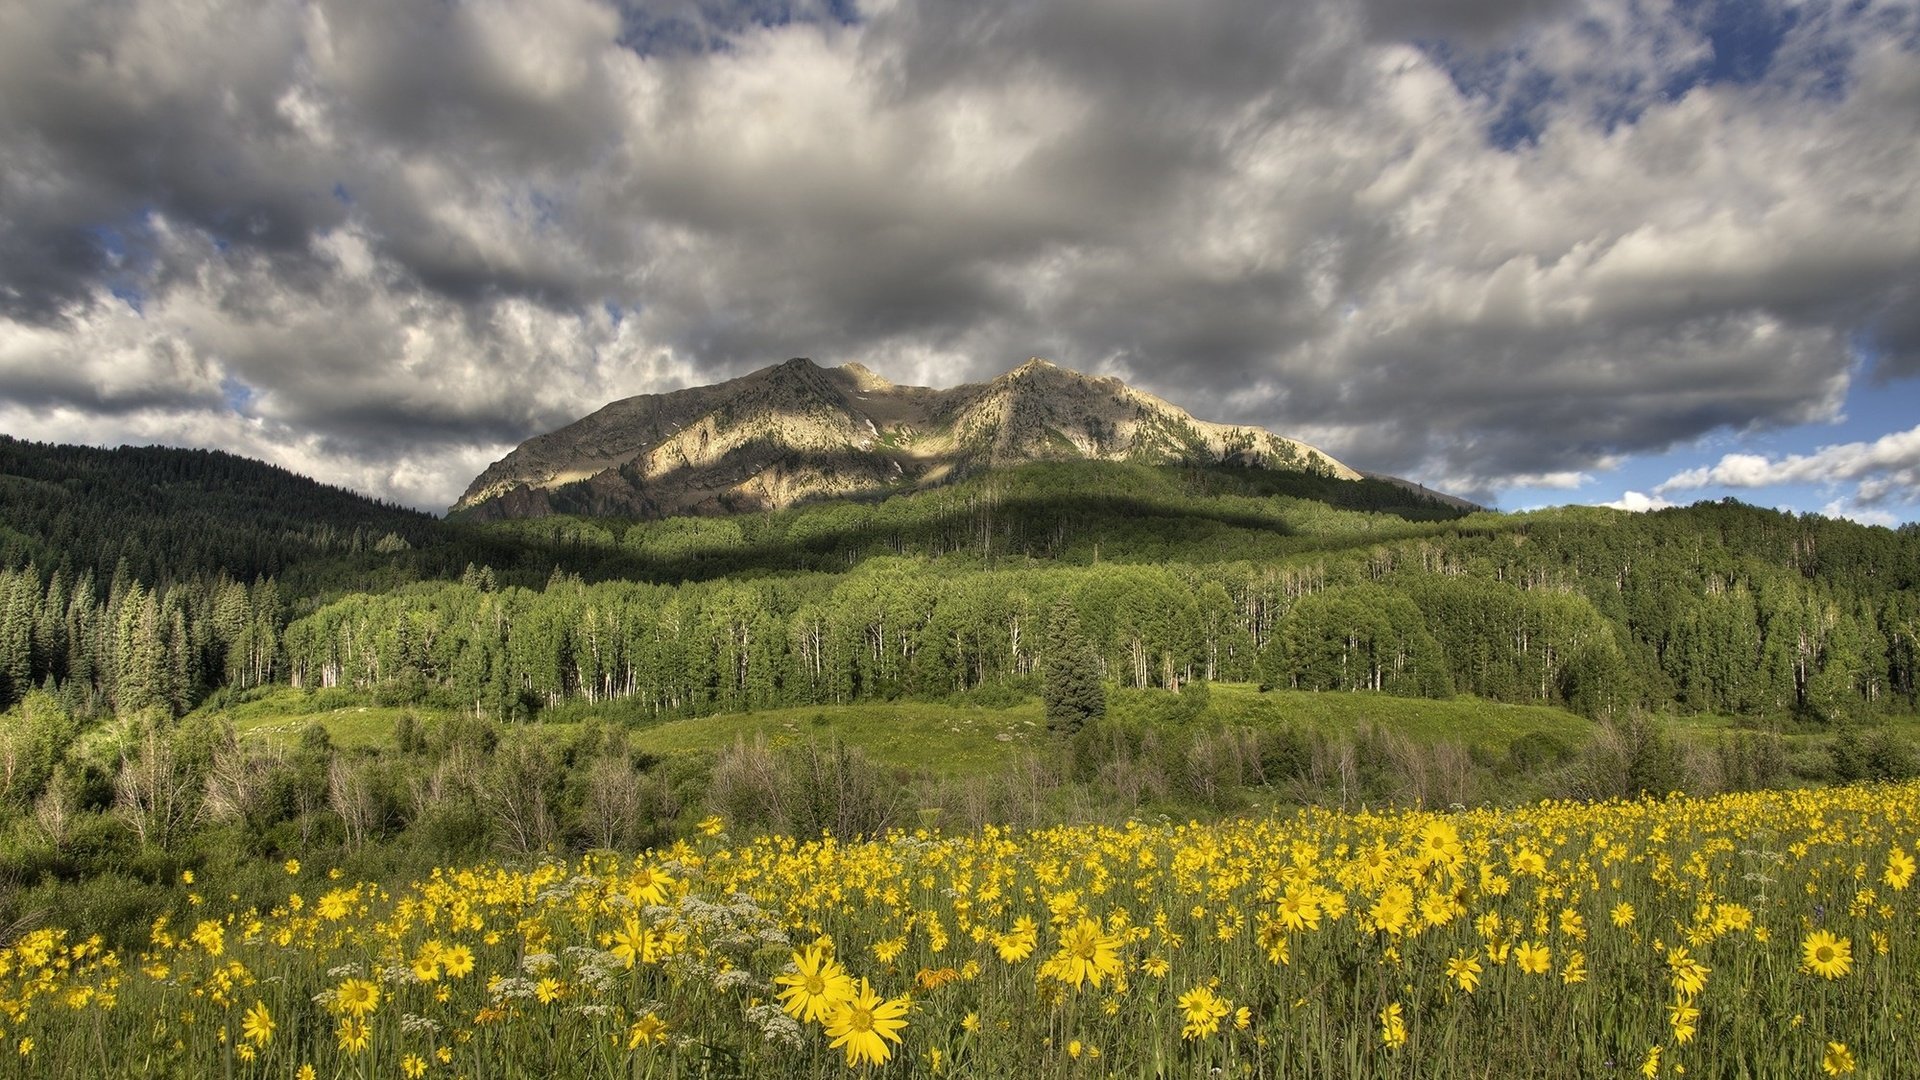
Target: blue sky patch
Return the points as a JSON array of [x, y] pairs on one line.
[[238, 395]]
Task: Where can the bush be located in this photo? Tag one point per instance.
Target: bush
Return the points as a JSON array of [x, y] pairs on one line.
[[1751, 760], [805, 790], [1286, 755], [1876, 754], [1631, 759], [1535, 752]]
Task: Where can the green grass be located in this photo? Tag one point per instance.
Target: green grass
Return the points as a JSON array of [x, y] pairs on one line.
[[279, 716], [962, 739], [943, 738]]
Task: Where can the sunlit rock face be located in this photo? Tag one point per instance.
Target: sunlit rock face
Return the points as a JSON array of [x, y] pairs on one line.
[[796, 431]]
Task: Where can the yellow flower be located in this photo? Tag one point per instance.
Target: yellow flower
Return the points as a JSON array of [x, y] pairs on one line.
[[637, 943], [1273, 941], [549, 990], [24, 1046], [1440, 845], [1825, 955], [649, 885], [1533, 959], [1572, 925], [649, 1030], [1576, 970], [814, 987], [865, 1023], [1300, 907], [1204, 1011], [1682, 1016], [292, 867], [1689, 975], [1464, 971], [1650, 1068], [426, 962], [305, 1072], [1392, 909], [1899, 872], [1393, 1026], [1622, 914], [457, 960], [257, 1025], [713, 825], [356, 997], [210, 936], [352, 1035], [1017, 944], [1087, 954], [335, 903], [1436, 909], [413, 1066], [1838, 1061]]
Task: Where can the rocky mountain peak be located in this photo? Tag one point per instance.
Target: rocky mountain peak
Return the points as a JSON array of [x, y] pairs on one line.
[[863, 379], [797, 431]]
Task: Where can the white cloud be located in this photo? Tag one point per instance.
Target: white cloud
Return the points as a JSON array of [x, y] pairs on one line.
[[1862, 514], [1563, 481], [1882, 471], [1638, 502]]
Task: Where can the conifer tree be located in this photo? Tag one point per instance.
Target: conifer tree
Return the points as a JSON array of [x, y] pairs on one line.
[[1070, 680]]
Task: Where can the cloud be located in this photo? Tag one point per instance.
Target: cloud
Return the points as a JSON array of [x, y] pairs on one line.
[[1886, 470], [1638, 502], [1865, 515], [1483, 242]]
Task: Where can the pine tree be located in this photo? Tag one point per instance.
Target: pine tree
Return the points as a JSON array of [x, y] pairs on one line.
[[1070, 686], [19, 594]]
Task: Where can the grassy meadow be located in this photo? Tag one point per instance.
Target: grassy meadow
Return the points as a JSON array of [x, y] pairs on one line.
[[959, 737], [1751, 935]]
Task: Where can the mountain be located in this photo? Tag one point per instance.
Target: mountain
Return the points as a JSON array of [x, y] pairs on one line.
[[797, 431]]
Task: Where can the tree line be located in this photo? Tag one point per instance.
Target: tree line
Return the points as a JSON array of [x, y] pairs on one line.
[[1759, 641], [123, 647]]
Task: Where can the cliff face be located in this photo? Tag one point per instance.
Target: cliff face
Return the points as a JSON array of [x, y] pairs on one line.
[[797, 431]]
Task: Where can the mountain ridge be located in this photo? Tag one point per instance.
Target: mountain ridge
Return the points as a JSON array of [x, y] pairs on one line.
[[796, 431]]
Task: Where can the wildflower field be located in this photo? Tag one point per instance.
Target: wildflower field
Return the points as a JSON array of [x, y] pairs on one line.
[[1756, 935]]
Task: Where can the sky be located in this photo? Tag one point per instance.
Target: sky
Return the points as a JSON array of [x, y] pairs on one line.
[[1531, 252]]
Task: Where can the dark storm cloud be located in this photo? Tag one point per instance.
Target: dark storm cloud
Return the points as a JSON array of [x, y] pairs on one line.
[[109, 112], [1477, 240], [1895, 331], [1469, 22]]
